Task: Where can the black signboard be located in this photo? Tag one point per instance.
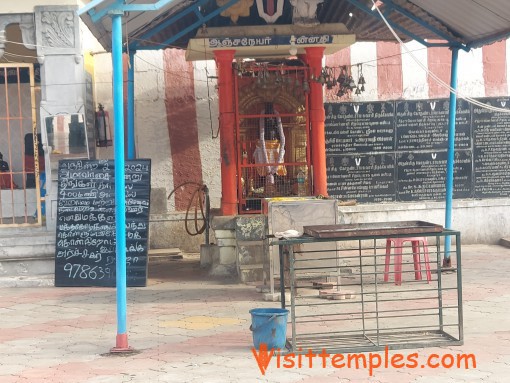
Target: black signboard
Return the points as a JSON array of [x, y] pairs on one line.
[[360, 128], [491, 138], [370, 178], [422, 176], [85, 246], [417, 138], [423, 125]]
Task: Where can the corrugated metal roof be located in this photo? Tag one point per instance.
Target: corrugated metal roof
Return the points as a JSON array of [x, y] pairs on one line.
[[467, 23], [476, 21]]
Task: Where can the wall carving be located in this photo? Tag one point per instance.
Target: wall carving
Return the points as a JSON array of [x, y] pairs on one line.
[[57, 29]]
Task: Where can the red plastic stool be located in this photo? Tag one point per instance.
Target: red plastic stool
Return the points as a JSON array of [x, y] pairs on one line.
[[398, 243]]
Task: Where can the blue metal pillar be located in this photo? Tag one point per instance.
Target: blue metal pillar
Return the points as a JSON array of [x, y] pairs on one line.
[[131, 152], [120, 195], [451, 156]]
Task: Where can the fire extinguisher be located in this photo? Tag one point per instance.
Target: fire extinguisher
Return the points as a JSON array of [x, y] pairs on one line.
[[103, 130]]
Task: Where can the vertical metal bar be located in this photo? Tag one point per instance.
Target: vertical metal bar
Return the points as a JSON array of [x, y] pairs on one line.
[[120, 196], [9, 141], [22, 140], [36, 147], [292, 297], [20, 130], [308, 127], [439, 282], [459, 287], [207, 213], [239, 156], [451, 156], [376, 294], [7, 115], [282, 275], [131, 106], [361, 287]]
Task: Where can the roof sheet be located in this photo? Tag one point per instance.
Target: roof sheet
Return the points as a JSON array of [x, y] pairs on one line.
[[469, 23]]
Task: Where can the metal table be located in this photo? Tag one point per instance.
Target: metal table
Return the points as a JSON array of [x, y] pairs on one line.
[[377, 314]]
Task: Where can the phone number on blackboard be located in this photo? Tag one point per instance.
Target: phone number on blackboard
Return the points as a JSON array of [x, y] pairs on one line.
[[77, 270]]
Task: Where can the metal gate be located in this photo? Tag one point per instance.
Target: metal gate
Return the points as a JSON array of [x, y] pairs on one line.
[[272, 127], [22, 155]]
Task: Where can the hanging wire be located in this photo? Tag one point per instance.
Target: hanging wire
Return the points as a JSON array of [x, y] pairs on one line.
[[196, 203]]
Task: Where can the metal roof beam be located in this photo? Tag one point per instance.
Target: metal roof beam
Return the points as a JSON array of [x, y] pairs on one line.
[[120, 6], [173, 19], [367, 10], [391, 5], [201, 20]]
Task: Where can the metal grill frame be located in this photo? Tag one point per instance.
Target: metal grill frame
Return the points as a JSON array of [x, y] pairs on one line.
[[365, 339], [11, 221], [244, 167]]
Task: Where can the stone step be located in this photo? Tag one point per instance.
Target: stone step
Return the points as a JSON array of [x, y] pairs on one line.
[[27, 266], [26, 244], [26, 252], [165, 254]]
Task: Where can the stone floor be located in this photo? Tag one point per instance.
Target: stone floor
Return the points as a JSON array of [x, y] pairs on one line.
[[186, 327]]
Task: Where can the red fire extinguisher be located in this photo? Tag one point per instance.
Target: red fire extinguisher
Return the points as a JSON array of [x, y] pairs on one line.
[[103, 130]]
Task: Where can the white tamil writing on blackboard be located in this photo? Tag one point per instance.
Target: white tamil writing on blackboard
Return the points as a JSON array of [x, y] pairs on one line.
[[136, 225], [134, 177], [73, 194], [86, 229], [136, 247], [84, 226], [90, 217], [85, 174], [79, 165], [67, 254], [133, 235], [86, 242]]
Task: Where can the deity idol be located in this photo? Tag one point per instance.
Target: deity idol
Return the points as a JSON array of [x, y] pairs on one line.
[[271, 145]]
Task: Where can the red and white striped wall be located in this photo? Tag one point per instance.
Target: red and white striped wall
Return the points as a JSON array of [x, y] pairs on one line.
[[176, 107], [393, 72]]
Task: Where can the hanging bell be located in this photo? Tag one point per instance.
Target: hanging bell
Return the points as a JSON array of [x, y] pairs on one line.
[[358, 91], [361, 80], [352, 84], [362, 88], [306, 86]]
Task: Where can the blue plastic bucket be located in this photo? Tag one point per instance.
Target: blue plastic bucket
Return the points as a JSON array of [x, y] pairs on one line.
[[269, 326]]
